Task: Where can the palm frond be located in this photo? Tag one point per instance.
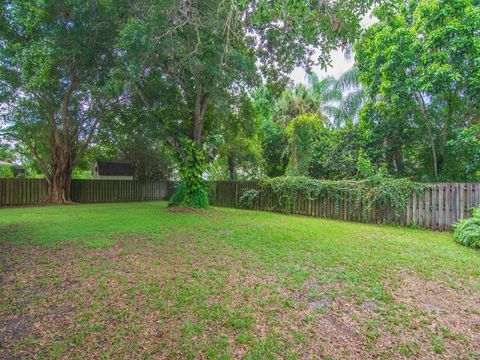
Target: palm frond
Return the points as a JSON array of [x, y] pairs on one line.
[[348, 80]]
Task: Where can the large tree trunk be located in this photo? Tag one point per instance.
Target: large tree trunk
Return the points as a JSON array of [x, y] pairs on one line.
[[232, 174], [200, 107], [59, 187], [60, 180]]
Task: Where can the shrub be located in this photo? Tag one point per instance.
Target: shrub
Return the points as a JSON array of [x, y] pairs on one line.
[[467, 232], [178, 196], [197, 199], [249, 198], [192, 192], [6, 172]]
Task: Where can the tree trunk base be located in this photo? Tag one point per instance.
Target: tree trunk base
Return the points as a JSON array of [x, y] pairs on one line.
[[59, 189]]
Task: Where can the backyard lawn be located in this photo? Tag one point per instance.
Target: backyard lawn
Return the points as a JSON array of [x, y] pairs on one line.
[[139, 280]]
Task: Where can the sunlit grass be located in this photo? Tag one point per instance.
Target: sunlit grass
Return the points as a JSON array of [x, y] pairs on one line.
[[136, 278]]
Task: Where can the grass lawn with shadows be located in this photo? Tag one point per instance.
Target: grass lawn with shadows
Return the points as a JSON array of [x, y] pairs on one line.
[[139, 280]]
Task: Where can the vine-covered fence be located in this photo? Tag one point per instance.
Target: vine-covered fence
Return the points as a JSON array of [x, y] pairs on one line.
[[14, 192], [437, 207]]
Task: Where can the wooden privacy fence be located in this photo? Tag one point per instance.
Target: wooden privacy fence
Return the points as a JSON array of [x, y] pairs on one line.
[[15, 192], [438, 208]]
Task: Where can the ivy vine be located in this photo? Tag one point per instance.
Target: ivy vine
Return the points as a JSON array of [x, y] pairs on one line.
[[373, 193]]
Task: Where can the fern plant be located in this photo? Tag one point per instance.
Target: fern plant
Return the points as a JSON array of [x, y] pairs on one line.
[[467, 232]]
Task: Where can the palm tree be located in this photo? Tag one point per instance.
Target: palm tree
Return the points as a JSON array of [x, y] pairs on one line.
[[319, 99], [335, 101], [297, 101], [340, 99], [353, 98]]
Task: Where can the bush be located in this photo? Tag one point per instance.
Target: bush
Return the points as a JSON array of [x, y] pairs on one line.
[[178, 196], [467, 232], [193, 199], [192, 192], [6, 172], [249, 198]]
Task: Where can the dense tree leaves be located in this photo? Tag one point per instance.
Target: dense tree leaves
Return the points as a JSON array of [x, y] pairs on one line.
[[55, 62], [420, 64], [187, 60]]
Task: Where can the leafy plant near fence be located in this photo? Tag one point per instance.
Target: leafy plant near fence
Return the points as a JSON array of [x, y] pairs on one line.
[[366, 196], [467, 232], [192, 192], [249, 198]]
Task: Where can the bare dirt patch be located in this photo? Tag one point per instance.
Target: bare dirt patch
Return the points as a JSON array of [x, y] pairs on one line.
[[183, 296], [451, 316]]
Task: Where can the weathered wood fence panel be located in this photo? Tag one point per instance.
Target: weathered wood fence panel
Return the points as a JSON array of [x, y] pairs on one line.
[[14, 192], [439, 208]]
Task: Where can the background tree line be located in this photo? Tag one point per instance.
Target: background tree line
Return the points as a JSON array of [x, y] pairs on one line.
[[196, 89]]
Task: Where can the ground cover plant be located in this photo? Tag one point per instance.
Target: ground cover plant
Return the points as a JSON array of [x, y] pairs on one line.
[[141, 280], [467, 231]]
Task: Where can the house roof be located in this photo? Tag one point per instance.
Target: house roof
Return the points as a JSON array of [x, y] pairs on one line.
[[6, 163], [115, 168]]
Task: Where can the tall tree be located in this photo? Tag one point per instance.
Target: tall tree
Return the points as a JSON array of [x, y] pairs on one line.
[[420, 64], [55, 61], [185, 58]]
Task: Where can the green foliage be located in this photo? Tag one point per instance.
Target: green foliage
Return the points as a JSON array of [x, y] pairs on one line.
[[193, 190], [135, 136], [79, 173], [6, 152], [419, 64], [237, 145], [178, 196], [364, 165], [465, 165], [249, 198], [336, 150], [297, 127], [272, 136], [302, 132], [182, 197], [467, 232], [6, 172], [368, 195]]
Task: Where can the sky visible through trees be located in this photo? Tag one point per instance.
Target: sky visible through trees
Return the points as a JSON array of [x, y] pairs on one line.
[[211, 90]]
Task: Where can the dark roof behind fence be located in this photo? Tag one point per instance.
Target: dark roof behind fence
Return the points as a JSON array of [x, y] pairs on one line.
[[115, 168]]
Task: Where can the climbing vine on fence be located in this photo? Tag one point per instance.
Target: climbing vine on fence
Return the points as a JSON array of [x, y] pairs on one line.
[[373, 193]]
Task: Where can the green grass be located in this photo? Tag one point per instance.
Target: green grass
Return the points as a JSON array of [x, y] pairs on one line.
[[138, 280]]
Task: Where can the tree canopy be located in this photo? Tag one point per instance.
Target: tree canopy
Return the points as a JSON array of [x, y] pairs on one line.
[[55, 62], [200, 89], [420, 66]]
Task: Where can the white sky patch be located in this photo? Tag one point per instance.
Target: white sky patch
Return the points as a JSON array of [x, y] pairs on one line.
[[340, 63]]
